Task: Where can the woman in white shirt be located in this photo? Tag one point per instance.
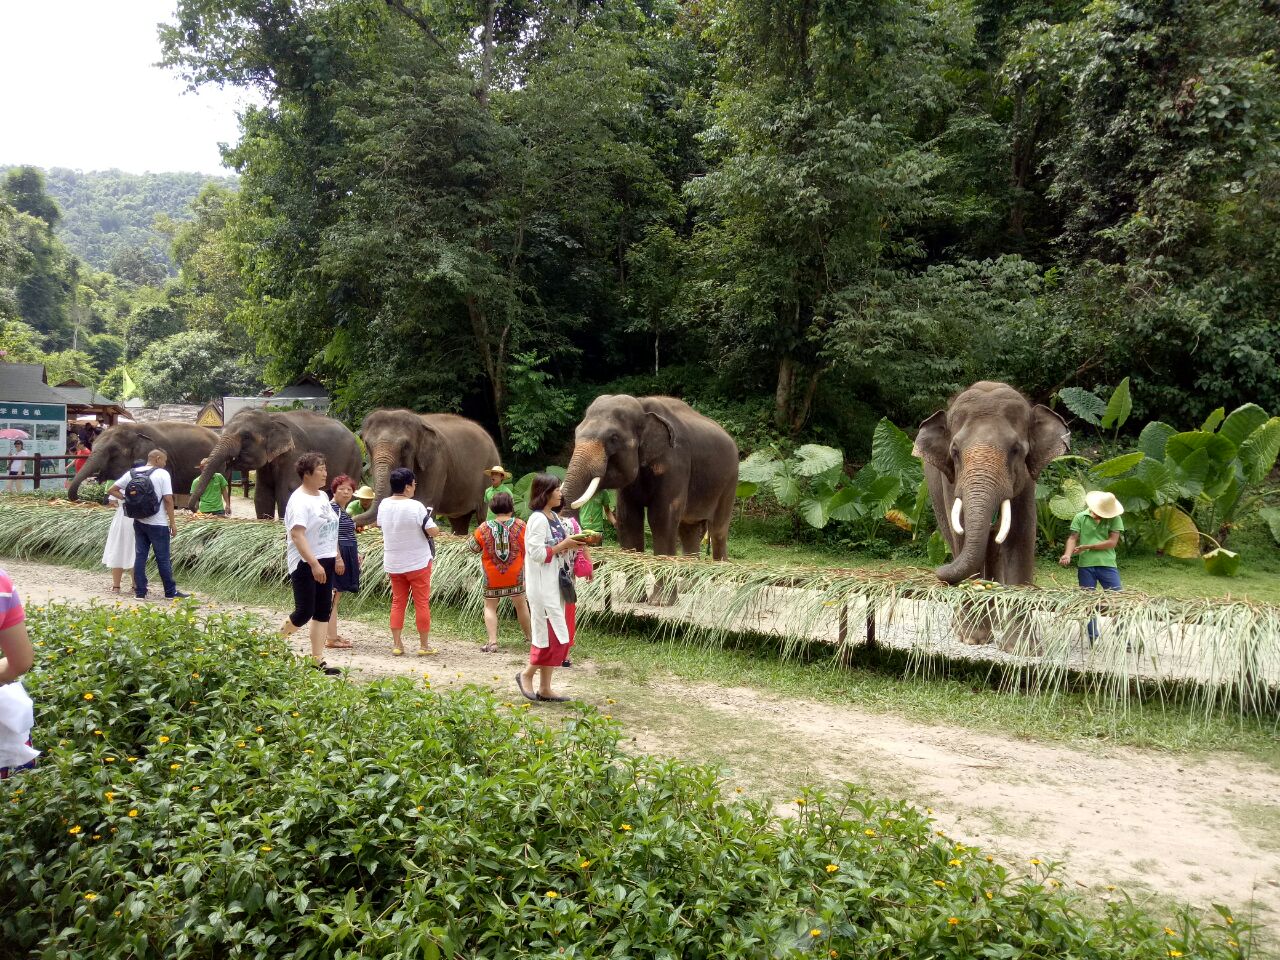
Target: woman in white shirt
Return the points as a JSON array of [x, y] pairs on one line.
[[547, 577], [407, 552], [311, 549]]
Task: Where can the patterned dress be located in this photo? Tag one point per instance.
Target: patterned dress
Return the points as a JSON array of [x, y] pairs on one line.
[[500, 544]]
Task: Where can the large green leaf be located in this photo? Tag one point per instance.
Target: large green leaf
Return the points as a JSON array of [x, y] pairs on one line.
[[1160, 479], [1069, 501], [848, 504], [1118, 465], [1259, 451], [746, 489], [1217, 448], [882, 492], [785, 487], [1214, 419], [891, 453], [813, 511], [760, 467], [1088, 406], [1241, 422], [1222, 562], [938, 548], [1135, 493], [1118, 407], [1153, 438], [1271, 517], [814, 458], [1190, 473]]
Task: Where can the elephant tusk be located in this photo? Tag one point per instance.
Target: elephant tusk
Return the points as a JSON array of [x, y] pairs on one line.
[[1006, 521], [591, 492], [955, 516]]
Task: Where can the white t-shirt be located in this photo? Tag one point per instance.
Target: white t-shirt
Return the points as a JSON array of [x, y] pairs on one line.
[[163, 485], [312, 512], [404, 542]]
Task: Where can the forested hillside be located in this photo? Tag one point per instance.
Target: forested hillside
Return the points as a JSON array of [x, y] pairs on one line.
[[801, 216]]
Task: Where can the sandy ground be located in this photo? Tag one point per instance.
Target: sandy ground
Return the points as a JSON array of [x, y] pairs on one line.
[[1195, 829]]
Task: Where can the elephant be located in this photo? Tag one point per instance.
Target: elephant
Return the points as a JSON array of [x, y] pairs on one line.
[[981, 456], [270, 442], [662, 456], [448, 455], [117, 449]]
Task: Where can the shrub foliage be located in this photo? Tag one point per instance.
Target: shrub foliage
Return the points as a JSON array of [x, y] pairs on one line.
[[203, 795]]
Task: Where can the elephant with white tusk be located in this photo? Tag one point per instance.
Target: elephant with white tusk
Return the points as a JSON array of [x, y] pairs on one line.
[[982, 456]]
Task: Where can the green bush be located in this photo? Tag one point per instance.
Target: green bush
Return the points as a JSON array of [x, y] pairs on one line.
[[203, 794]]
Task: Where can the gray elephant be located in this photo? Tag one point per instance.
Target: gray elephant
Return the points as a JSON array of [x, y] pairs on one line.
[[982, 456], [664, 457], [448, 455], [118, 447], [270, 443]]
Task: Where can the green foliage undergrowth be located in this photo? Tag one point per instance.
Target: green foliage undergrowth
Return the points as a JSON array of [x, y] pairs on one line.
[[202, 794]]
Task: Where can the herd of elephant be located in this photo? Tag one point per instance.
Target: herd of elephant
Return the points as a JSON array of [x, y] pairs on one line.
[[982, 455]]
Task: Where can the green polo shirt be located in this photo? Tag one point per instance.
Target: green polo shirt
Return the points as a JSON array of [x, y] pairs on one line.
[[490, 492], [1093, 531], [591, 513], [211, 501]]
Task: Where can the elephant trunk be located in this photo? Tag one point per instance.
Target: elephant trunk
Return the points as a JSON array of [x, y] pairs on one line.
[[979, 504], [92, 467], [223, 452], [382, 460], [586, 469]]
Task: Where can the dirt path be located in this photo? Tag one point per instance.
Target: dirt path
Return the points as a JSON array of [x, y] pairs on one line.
[[1200, 830]]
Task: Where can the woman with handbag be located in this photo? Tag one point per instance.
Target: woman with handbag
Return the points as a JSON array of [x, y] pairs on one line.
[[548, 587], [582, 569], [500, 543]]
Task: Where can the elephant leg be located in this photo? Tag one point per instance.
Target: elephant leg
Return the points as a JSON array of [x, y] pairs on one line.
[[264, 497], [972, 623], [719, 526], [460, 525], [663, 523], [630, 524], [691, 537]]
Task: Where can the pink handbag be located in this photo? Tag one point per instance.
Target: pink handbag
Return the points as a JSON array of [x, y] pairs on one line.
[[582, 566]]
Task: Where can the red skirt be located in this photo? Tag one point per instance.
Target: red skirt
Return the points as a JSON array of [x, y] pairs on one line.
[[553, 654]]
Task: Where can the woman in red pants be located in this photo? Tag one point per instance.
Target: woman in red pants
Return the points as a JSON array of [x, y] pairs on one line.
[[407, 552]]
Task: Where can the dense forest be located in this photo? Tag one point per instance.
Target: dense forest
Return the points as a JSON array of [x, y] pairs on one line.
[[799, 215]]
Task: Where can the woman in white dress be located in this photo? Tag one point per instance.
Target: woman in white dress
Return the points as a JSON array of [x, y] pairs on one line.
[[118, 554], [546, 574]]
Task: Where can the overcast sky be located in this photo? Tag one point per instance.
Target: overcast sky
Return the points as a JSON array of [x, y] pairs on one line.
[[78, 89]]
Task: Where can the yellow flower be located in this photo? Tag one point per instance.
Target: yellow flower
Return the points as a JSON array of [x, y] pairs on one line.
[[815, 932], [800, 801], [91, 897], [832, 868], [940, 883], [131, 759], [1232, 943], [295, 714], [608, 716], [108, 759], [610, 701], [109, 795], [74, 830], [308, 751], [869, 833], [954, 863], [953, 921], [164, 739], [1175, 953], [241, 744], [538, 742], [257, 729], [1170, 932], [991, 859], [265, 848], [833, 953], [1109, 887], [97, 836], [988, 893], [584, 864], [1230, 920], [626, 826], [97, 733], [88, 696], [133, 813], [175, 766], [1035, 862], [551, 894]]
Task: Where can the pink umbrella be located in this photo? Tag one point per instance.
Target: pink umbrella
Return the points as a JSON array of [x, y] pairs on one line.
[[13, 433]]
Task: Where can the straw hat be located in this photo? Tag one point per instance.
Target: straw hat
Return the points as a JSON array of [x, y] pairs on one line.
[[365, 493], [1104, 504], [497, 468]]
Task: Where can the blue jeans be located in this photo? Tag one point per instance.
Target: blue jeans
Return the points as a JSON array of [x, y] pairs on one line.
[[1089, 578], [151, 536]]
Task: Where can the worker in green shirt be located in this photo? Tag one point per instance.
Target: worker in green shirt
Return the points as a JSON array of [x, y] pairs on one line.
[[593, 514], [216, 499], [499, 482], [1095, 532], [361, 501]]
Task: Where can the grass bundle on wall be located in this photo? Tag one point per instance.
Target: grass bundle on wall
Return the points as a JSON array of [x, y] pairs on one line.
[[1222, 654]]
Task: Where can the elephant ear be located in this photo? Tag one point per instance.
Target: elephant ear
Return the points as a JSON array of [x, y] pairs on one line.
[[425, 450], [659, 436], [1049, 439], [279, 439], [933, 444]]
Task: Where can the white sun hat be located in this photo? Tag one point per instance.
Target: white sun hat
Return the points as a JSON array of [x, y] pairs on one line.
[[1104, 504]]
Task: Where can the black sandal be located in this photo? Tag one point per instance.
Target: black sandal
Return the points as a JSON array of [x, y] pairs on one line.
[[554, 699], [520, 684]]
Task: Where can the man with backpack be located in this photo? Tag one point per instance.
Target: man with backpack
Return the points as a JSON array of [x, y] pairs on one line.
[[146, 496]]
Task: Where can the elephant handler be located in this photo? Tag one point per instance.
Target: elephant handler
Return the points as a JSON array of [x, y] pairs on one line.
[[1095, 533], [216, 499], [311, 550], [499, 482]]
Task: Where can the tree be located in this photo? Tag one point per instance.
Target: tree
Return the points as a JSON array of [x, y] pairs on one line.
[[151, 320], [193, 367], [137, 266], [25, 191]]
